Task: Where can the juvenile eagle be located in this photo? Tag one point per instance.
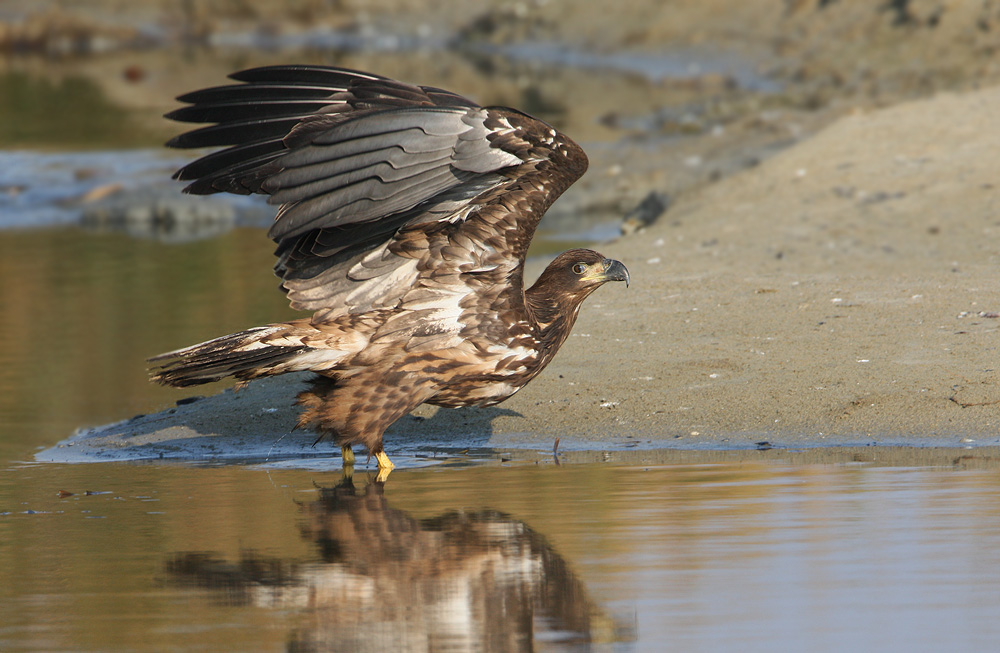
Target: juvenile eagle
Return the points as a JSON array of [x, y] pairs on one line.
[[405, 213]]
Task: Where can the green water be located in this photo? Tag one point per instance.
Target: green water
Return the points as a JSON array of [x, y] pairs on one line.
[[82, 312], [34, 111]]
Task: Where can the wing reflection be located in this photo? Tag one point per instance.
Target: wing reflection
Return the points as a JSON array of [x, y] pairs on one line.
[[463, 581]]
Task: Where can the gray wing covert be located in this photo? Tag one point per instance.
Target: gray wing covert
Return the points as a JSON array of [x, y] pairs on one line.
[[378, 165]]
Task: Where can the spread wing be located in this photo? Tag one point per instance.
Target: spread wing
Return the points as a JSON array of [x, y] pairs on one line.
[[391, 195]]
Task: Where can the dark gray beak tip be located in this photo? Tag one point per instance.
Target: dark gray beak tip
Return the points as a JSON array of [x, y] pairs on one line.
[[616, 271]]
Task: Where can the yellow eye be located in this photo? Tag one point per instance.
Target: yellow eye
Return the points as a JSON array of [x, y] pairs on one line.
[[579, 268]]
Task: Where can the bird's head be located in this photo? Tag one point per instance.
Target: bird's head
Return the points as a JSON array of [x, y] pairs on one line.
[[576, 273], [584, 270], [556, 297]]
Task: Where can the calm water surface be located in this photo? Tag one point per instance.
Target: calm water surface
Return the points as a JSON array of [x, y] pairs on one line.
[[758, 556]]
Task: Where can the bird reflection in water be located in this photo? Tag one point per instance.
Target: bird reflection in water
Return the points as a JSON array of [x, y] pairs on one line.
[[384, 580]]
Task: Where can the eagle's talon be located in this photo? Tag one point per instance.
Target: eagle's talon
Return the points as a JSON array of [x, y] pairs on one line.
[[384, 463]]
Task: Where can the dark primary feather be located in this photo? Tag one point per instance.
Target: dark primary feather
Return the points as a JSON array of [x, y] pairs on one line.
[[256, 117], [405, 213]]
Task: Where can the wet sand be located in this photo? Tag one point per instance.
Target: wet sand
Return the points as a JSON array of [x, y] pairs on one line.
[[843, 292]]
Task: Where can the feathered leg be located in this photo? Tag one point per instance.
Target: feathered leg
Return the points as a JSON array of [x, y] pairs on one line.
[[357, 409]]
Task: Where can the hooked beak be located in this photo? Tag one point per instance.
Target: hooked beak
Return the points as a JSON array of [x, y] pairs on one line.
[[615, 271]]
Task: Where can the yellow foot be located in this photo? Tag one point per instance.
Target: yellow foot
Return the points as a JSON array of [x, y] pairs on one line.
[[347, 453], [383, 461], [384, 467]]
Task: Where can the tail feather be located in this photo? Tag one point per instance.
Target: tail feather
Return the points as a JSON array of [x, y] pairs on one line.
[[242, 355]]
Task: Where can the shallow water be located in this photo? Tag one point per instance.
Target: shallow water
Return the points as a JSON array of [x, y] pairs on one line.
[[752, 556], [82, 311]]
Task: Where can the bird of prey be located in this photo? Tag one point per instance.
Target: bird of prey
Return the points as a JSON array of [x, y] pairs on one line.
[[405, 213]]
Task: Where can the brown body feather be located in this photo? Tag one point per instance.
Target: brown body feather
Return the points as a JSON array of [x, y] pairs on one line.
[[406, 213]]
